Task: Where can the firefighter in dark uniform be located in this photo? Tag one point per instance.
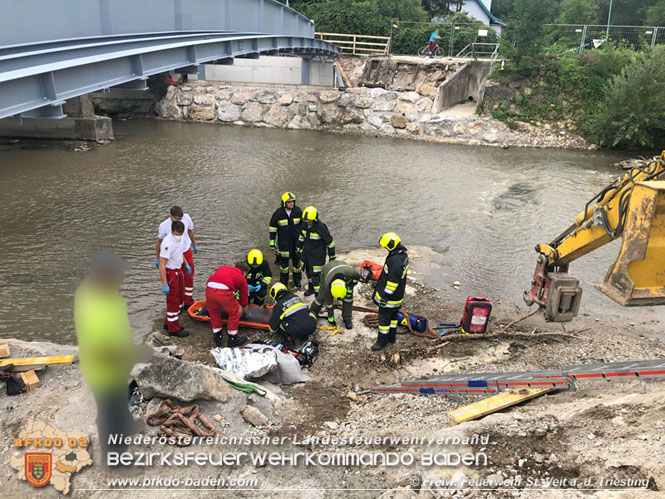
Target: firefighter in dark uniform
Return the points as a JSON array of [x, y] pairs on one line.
[[389, 291], [338, 279], [258, 277], [314, 241], [285, 227], [290, 316]]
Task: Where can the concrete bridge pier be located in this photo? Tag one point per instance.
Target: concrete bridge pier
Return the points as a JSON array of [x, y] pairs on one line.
[[74, 119]]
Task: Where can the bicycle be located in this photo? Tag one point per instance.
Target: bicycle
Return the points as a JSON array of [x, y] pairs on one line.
[[437, 51]]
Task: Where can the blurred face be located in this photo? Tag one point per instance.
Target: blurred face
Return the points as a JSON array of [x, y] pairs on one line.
[[309, 222], [290, 204], [177, 236]]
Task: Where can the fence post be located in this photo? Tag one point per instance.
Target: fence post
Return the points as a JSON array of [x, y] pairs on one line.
[[653, 38], [452, 38], [582, 41], [354, 44]]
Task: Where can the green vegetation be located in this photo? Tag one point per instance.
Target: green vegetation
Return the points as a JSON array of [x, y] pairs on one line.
[[613, 95], [631, 112]]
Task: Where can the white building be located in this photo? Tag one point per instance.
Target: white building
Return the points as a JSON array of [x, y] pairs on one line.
[[482, 10]]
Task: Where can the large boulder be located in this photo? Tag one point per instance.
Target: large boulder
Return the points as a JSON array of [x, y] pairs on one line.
[[253, 112], [184, 99], [351, 116], [168, 377], [204, 100], [329, 97], [364, 102], [277, 115], [228, 112], [239, 98], [265, 96], [383, 105], [202, 113], [168, 109], [329, 113], [398, 121]]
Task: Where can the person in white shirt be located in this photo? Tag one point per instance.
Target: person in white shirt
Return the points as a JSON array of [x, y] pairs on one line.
[[171, 262], [189, 247]]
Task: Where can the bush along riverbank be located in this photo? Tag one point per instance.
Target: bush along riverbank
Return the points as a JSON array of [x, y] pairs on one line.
[[365, 111], [612, 97]]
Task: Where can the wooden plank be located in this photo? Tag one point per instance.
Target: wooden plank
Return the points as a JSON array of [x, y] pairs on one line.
[[29, 361], [494, 403], [347, 82], [29, 367], [4, 350]]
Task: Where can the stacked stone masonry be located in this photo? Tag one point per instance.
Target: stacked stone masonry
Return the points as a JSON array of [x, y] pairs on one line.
[[366, 111]]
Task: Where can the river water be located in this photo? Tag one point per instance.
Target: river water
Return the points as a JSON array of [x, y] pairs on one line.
[[481, 209]]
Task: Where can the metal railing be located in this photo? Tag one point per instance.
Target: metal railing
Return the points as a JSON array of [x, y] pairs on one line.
[[29, 21], [356, 44], [567, 38], [479, 51]]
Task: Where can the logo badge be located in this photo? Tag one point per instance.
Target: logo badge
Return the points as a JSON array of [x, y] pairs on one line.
[[38, 468]]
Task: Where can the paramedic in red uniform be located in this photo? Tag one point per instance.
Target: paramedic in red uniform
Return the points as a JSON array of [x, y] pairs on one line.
[[221, 292], [173, 280], [189, 247]]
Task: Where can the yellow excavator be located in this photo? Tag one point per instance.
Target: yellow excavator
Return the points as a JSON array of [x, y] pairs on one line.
[[632, 207]]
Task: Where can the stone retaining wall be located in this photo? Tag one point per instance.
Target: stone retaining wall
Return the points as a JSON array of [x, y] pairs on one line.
[[365, 111]]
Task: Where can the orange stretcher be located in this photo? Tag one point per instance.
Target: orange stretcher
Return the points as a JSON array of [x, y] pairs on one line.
[[258, 317], [374, 268]]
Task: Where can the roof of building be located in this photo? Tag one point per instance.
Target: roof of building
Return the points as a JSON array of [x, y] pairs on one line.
[[493, 18]]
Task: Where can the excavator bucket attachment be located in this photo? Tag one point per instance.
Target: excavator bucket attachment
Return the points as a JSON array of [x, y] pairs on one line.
[[638, 275]]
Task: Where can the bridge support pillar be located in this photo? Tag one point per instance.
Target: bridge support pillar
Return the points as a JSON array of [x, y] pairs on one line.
[[81, 123], [305, 69]]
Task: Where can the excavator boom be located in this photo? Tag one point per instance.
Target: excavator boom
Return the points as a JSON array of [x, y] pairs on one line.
[[633, 208]]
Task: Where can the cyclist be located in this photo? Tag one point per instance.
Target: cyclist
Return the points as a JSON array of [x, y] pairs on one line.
[[433, 39]]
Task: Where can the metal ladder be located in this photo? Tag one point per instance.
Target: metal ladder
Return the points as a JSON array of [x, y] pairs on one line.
[[564, 378]]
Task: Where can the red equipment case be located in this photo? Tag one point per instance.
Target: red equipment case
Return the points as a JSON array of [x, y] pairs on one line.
[[476, 315]]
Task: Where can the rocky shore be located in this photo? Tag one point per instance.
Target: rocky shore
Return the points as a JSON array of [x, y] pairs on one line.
[[359, 110]]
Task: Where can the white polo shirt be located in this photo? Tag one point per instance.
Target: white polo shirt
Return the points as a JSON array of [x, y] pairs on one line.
[[165, 230], [172, 251]]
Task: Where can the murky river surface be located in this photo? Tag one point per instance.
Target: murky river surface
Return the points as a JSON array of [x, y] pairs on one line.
[[481, 209]]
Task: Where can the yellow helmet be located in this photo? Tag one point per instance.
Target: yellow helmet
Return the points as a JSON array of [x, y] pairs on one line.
[[389, 240], [338, 288], [310, 214], [255, 257], [288, 196], [276, 289]]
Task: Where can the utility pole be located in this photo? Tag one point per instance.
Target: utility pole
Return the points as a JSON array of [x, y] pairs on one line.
[[609, 17]]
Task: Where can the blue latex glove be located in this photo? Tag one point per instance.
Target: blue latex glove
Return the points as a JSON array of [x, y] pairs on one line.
[[165, 289], [188, 268], [254, 289], [157, 262], [195, 249]]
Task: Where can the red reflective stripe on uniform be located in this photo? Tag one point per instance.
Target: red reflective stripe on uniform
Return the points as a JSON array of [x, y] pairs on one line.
[[174, 299]]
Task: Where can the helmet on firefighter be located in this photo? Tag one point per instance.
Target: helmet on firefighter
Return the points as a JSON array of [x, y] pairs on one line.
[[310, 214], [389, 240], [277, 289], [338, 288], [255, 258], [288, 196]]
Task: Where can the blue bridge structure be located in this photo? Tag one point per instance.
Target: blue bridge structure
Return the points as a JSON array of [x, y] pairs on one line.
[[55, 50]]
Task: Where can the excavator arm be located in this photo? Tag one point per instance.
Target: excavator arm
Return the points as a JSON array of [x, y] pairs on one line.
[[633, 207]]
